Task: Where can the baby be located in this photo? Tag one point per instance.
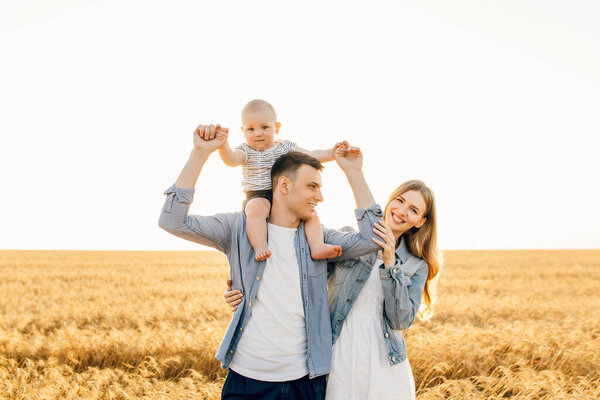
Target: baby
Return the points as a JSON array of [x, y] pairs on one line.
[[256, 156]]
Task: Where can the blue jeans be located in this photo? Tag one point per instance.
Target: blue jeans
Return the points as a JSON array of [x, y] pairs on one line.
[[238, 387]]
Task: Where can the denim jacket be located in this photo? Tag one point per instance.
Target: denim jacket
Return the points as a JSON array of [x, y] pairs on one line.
[[402, 285], [226, 232]]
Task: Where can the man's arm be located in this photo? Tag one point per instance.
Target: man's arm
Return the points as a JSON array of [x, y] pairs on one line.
[[321, 155], [214, 230]]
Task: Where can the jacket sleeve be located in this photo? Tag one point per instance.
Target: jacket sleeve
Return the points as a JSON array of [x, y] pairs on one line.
[[214, 230], [402, 293], [355, 244]]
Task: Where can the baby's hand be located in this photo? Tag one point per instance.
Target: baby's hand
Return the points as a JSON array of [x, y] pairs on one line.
[[208, 132]]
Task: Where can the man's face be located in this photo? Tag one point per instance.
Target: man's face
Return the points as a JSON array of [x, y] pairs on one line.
[[259, 128], [305, 192]]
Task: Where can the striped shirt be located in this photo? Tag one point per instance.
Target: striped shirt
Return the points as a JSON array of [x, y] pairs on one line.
[[256, 170]]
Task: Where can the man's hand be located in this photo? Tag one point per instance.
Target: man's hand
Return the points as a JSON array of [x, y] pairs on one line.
[[349, 158], [210, 137]]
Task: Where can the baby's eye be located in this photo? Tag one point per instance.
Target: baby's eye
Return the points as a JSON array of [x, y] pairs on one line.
[[265, 127], [250, 129]]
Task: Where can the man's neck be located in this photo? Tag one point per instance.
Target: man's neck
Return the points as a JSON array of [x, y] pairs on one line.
[[282, 217]]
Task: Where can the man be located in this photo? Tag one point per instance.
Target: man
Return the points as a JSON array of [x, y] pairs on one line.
[[279, 340]]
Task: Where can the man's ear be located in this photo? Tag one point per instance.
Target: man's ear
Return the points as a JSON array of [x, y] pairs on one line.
[[277, 126], [421, 222], [283, 184]]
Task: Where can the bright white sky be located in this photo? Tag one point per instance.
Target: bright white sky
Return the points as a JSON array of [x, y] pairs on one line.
[[495, 105]]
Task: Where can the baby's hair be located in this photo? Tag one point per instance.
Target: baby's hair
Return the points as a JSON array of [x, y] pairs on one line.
[[288, 165], [259, 104]]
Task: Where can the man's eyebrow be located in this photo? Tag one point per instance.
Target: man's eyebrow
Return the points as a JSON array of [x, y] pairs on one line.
[[315, 183]]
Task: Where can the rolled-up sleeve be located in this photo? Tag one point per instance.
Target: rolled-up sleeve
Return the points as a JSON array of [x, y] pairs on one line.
[[356, 244], [213, 230], [402, 293]]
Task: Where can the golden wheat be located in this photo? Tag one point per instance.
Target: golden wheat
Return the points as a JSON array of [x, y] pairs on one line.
[[146, 325]]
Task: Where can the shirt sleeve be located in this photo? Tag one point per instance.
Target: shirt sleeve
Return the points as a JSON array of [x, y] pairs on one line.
[[244, 149], [356, 244], [402, 292], [288, 145], [214, 230]]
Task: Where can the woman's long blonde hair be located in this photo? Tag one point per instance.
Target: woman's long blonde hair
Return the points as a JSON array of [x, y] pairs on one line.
[[422, 242]]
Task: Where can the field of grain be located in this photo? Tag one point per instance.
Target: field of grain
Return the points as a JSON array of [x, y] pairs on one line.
[[146, 325]]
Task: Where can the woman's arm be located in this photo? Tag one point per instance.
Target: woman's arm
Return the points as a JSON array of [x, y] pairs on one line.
[[355, 244], [402, 292], [402, 284], [350, 160]]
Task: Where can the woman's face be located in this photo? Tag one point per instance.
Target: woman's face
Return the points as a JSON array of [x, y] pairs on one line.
[[405, 211]]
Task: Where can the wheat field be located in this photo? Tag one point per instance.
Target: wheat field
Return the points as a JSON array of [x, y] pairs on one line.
[[146, 325]]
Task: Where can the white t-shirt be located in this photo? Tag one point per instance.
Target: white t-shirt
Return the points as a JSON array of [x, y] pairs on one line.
[[273, 346]]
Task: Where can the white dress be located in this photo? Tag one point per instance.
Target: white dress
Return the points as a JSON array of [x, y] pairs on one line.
[[360, 369]]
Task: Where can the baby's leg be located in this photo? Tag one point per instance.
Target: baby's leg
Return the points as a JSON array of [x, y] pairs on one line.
[[257, 211], [319, 250]]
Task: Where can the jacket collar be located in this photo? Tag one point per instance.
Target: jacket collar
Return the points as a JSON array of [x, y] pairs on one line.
[[402, 250]]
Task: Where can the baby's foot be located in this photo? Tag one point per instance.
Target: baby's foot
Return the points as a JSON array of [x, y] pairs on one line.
[[262, 253], [326, 251]]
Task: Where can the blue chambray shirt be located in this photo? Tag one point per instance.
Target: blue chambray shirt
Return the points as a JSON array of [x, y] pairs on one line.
[[402, 286], [227, 233]]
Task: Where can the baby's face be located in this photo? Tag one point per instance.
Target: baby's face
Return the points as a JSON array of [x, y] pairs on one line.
[[260, 128]]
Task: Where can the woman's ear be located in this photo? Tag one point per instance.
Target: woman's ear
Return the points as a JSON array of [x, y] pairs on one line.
[[421, 222]]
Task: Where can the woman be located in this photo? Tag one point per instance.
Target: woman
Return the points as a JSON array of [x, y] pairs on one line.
[[369, 353]]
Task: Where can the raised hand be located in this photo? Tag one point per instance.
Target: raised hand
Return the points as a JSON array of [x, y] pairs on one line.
[[210, 137], [349, 158]]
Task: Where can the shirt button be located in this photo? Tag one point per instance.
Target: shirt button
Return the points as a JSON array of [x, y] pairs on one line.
[[395, 270], [241, 329], [387, 334], [250, 304], [393, 359], [230, 351], [258, 278]]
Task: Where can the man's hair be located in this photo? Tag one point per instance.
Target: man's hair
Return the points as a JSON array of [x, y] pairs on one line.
[[289, 163]]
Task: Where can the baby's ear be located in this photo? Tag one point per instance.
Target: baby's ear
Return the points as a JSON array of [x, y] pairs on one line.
[[277, 126]]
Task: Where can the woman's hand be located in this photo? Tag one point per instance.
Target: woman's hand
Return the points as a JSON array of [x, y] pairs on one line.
[[349, 158], [388, 245], [232, 297]]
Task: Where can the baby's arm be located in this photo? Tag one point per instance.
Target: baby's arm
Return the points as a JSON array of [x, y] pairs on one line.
[[231, 157], [321, 155]]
